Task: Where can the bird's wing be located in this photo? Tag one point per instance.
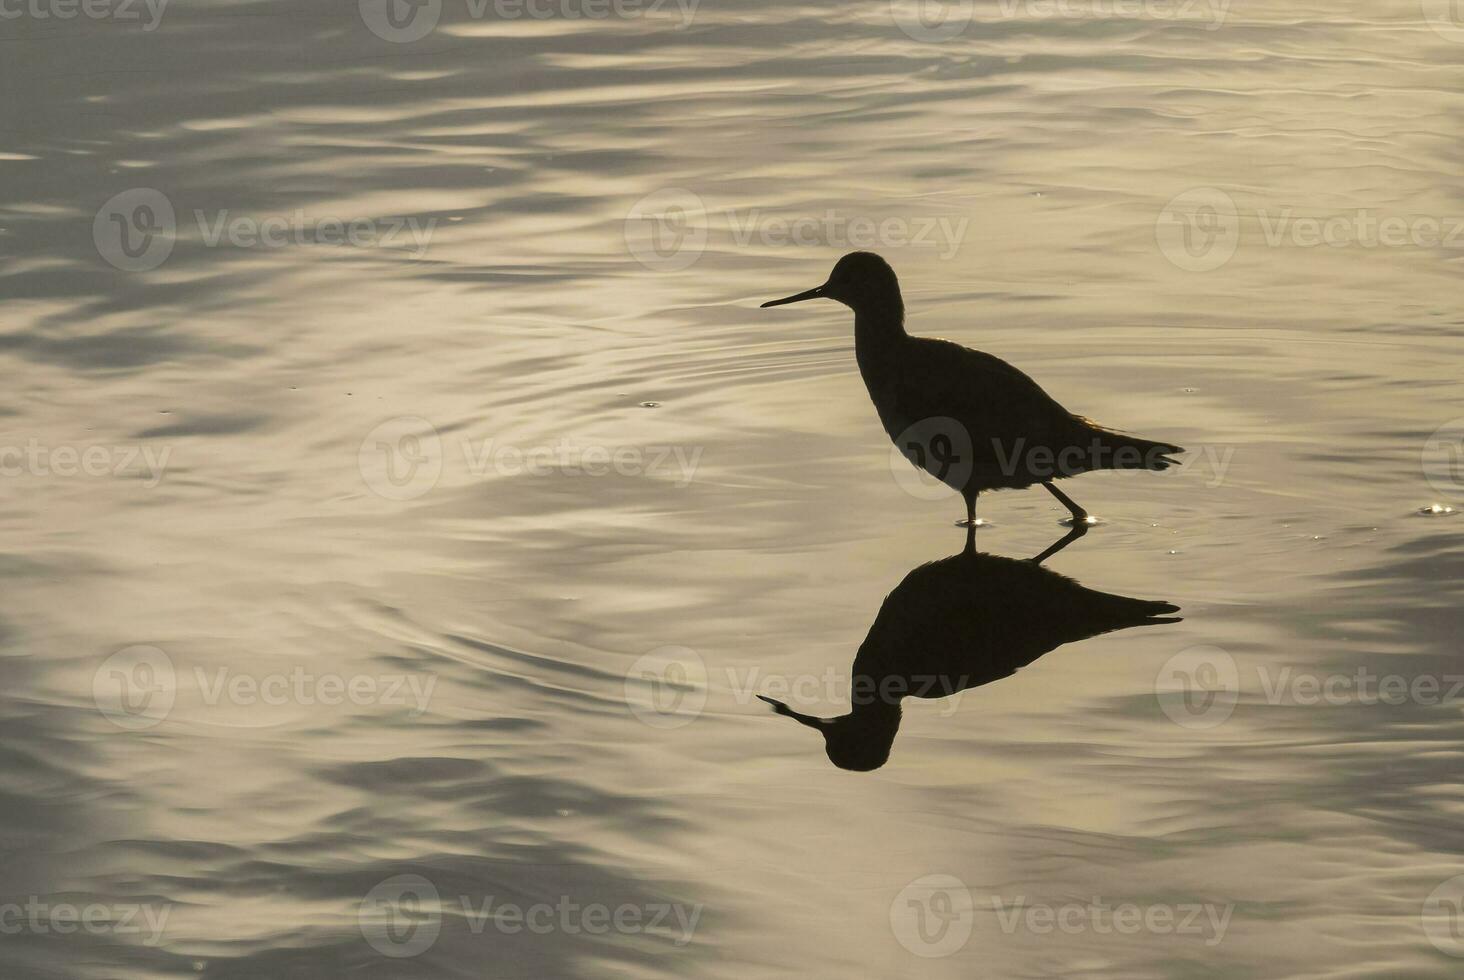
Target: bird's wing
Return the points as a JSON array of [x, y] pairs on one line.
[[986, 393]]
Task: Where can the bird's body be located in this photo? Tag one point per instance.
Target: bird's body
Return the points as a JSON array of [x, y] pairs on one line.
[[974, 618], [968, 418]]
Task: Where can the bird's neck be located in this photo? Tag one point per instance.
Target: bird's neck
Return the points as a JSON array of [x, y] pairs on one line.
[[878, 327], [876, 715], [875, 696]]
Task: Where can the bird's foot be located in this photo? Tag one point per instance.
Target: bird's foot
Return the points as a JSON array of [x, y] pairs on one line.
[[978, 522], [1080, 520]]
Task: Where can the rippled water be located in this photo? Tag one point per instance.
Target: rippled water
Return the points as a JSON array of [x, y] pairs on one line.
[[309, 588]]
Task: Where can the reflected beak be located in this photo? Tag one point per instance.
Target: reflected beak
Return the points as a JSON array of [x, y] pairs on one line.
[[813, 293], [782, 708]]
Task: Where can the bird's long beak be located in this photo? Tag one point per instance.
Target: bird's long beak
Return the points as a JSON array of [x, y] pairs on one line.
[[813, 293], [788, 712]]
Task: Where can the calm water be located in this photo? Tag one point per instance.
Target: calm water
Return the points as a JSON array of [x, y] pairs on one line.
[[309, 588]]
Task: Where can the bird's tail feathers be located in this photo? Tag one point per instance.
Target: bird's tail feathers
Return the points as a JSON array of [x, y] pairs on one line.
[[1158, 612], [1128, 452], [1144, 612]]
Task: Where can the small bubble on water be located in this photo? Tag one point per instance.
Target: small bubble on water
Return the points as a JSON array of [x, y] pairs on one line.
[[1189, 391], [1437, 510], [650, 404]]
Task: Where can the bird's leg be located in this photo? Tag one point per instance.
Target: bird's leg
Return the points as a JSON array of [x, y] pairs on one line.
[[970, 496], [1080, 516], [1079, 529], [971, 519]]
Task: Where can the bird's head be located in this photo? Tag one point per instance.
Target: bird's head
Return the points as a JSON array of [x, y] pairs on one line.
[[860, 280], [859, 741]]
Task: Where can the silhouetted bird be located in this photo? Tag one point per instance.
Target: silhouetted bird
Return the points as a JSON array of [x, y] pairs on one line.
[[956, 624], [969, 419]]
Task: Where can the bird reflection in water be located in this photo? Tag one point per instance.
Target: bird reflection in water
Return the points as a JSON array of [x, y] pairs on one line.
[[959, 623]]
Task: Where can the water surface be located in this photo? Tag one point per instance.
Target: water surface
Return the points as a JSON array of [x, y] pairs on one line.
[[256, 517]]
